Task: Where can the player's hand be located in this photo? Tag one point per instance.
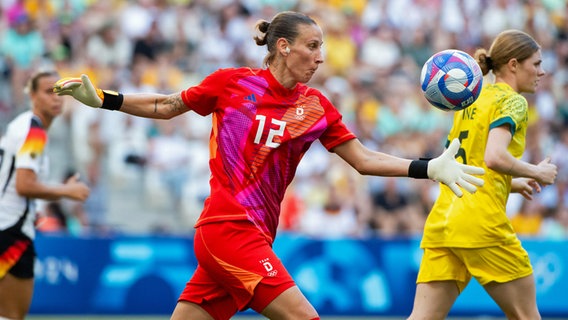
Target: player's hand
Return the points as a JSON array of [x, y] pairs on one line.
[[525, 187], [547, 172], [447, 170], [75, 189], [82, 89]]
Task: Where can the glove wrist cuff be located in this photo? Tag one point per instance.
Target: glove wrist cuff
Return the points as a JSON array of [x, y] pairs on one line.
[[418, 169], [112, 100]]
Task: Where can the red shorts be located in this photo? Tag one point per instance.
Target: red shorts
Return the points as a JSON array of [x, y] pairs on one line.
[[237, 269]]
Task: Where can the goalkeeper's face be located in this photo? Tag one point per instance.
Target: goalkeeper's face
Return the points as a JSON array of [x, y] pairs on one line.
[[306, 53], [44, 100]]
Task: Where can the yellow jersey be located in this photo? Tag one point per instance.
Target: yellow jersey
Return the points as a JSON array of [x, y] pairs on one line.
[[479, 220]]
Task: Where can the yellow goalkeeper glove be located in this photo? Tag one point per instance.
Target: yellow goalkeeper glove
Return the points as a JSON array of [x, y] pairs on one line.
[[83, 90]]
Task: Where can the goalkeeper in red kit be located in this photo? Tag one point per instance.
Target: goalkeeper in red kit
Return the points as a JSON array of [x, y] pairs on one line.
[[263, 122]]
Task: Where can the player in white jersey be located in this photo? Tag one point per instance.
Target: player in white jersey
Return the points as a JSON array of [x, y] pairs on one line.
[[22, 164]]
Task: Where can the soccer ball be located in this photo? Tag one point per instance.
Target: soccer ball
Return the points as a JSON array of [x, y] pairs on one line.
[[451, 80]]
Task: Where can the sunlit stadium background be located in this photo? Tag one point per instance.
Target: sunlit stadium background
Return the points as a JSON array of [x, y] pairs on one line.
[[351, 242]]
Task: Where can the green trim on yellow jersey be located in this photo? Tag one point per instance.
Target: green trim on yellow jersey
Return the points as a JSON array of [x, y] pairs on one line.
[[506, 120]]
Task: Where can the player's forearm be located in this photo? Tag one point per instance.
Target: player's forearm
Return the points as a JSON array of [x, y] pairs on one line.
[[148, 105], [37, 190], [507, 164], [369, 162], [32, 188], [381, 164], [151, 105]]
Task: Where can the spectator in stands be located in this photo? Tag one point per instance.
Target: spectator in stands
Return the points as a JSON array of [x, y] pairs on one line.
[[23, 47], [168, 156], [392, 210], [108, 48], [52, 219], [527, 222]]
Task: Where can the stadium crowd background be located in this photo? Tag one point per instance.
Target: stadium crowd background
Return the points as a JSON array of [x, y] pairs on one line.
[[152, 176]]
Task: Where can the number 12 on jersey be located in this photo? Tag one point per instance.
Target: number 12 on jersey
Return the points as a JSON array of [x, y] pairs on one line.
[[272, 133]]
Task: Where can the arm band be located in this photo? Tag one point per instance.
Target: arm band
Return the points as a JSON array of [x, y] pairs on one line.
[[112, 100], [418, 169]]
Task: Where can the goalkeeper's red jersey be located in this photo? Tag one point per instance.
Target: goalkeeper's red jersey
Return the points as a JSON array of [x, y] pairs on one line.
[[260, 131]]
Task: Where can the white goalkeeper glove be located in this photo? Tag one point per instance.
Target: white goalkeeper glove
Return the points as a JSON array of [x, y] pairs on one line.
[[447, 170], [83, 90]]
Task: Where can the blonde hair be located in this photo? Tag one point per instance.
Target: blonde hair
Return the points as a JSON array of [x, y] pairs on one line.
[[509, 44], [32, 84]]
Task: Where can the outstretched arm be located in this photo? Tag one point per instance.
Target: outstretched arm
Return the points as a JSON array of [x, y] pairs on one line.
[[28, 185], [148, 105], [156, 106], [444, 168], [369, 162]]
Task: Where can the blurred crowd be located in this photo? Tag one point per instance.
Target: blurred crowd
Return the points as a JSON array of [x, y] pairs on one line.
[[374, 51]]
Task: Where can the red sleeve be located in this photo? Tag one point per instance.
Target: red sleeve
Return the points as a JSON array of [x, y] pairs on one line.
[[202, 98], [336, 132]]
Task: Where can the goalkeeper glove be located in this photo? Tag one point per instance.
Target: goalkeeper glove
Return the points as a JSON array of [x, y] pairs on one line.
[[447, 170], [83, 90]]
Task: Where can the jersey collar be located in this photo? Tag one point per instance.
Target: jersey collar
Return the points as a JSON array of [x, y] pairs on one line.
[[277, 86]]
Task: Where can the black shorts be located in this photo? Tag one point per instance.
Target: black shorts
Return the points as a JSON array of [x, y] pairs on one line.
[[17, 254]]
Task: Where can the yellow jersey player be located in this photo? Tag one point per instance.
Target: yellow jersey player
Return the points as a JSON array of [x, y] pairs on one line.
[[472, 235]]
